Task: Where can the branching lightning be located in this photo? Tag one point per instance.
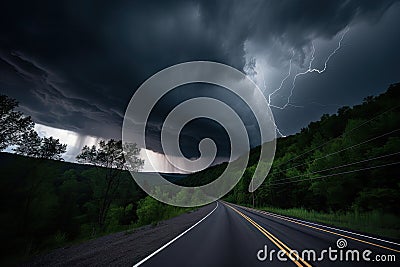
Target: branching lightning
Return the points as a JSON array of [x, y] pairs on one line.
[[310, 69], [284, 79]]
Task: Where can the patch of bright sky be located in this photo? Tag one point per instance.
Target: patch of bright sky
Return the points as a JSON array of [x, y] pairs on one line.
[[75, 142]]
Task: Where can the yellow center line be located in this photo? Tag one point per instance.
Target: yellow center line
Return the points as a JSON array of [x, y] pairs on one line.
[[274, 240], [327, 231], [278, 240]]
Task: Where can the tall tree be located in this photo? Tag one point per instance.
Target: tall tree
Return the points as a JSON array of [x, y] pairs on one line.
[[32, 145], [51, 148], [13, 124], [110, 159], [29, 144]]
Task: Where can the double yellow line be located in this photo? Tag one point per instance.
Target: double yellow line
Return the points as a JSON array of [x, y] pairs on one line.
[[289, 252], [324, 230]]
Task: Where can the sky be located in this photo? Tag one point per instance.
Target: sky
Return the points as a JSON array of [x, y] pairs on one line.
[[74, 66]]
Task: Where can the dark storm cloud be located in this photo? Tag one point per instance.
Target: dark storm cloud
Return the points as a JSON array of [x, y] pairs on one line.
[[367, 65], [75, 65], [290, 23], [78, 64]]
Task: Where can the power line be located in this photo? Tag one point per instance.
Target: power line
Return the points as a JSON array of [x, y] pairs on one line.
[[343, 134], [335, 174], [341, 150], [338, 167]]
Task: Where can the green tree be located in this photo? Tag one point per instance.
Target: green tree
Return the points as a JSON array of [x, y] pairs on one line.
[[13, 124], [110, 160], [32, 145]]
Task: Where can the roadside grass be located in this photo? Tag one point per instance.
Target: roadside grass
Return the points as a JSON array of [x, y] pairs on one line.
[[374, 222]]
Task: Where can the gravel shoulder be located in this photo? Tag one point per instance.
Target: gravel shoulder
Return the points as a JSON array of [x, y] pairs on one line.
[[121, 249]]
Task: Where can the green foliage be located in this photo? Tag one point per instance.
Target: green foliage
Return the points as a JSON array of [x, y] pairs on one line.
[[117, 218], [17, 130], [47, 203], [382, 199], [109, 159], [338, 143], [148, 211], [32, 145], [13, 124], [305, 170], [151, 211], [375, 222]]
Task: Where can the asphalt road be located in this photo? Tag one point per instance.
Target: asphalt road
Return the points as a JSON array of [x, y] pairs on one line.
[[233, 236]]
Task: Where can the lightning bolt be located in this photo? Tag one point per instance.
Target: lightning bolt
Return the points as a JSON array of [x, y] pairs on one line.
[[282, 82], [311, 70], [277, 89], [279, 131]]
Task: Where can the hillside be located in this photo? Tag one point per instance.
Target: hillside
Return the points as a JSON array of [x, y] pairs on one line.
[[342, 169], [367, 133], [48, 203]]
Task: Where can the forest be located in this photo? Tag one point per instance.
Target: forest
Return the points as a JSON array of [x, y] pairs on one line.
[[341, 170], [48, 203]]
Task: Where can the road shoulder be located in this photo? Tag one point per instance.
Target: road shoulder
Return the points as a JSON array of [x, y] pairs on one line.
[[121, 249]]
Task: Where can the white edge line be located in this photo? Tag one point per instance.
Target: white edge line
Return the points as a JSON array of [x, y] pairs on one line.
[[173, 240], [321, 225]]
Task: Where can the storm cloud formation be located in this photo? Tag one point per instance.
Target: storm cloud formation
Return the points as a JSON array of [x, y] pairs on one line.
[[75, 65]]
